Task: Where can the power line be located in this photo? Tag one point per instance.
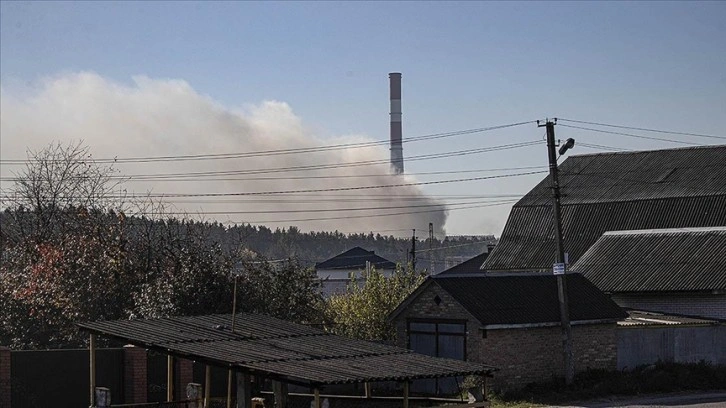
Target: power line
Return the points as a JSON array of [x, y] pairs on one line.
[[355, 188], [277, 221], [261, 153], [643, 129], [430, 156], [598, 146], [630, 135], [331, 176], [322, 210]]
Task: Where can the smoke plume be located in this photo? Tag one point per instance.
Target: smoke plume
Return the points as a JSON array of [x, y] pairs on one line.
[[169, 118]]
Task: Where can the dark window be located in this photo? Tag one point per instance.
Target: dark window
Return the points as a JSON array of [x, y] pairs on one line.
[[445, 339]]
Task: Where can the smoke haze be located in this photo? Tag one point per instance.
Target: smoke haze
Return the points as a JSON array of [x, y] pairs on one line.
[[153, 117]]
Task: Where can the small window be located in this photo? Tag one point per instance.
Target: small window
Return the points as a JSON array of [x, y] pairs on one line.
[[452, 328], [422, 327]]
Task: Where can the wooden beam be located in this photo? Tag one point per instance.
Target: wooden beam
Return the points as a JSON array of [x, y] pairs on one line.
[[279, 388], [207, 385], [92, 370], [244, 390], [317, 398], [169, 378], [229, 388], [369, 390], [405, 394]]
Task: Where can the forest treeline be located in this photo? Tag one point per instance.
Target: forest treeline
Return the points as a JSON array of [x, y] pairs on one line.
[[71, 252]]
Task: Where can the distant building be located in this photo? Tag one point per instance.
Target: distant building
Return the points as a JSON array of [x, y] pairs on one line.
[[337, 271], [511, 322], [468, 266]]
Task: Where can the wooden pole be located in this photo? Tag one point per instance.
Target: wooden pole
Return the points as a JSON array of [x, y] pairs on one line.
[[207, 385], [169, 378], [280, 390], [229, 388], [317, 398], [92, 370], [369, 390], [234, 302], [405, 394]]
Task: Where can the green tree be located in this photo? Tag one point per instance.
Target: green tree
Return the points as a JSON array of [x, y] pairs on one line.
[[363, 310]]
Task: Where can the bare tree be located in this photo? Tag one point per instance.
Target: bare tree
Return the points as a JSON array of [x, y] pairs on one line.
[[58, 183]]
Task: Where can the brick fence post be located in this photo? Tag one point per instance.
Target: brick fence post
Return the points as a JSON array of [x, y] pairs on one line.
[[5, 388], [185, 375], [135, 377]]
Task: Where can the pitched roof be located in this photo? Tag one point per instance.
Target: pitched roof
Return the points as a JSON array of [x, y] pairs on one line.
[[530, 299], [688, 259], [672, 188], [356, 258], [644, 318], [281, 350], [469, 266]]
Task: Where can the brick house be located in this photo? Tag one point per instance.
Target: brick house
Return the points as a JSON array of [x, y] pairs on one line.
[[336, 272], [512, 322]]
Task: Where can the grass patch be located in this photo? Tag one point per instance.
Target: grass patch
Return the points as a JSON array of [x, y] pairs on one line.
[[656, 378]]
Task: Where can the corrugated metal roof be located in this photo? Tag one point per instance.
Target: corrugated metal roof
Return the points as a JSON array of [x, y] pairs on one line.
[[528, 299], [356, 258], [643, 318], [673, 188], [667, 260], [282, 350]]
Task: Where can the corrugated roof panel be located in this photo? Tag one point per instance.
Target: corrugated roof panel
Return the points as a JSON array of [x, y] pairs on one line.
[[657, 260], [281, 349]]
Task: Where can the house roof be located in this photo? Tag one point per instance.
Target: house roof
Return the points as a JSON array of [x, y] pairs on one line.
[[469, 266], [524, 299], [672, 188], [356, 258], [687, 259], [281, 350], [644, 318]]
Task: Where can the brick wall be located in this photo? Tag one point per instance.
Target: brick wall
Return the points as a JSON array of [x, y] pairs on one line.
[[712, 306], [135, 379], [522, 355], [184, 375], [4, 377]]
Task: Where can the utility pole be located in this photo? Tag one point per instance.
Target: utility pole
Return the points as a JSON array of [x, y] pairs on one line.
[[431, 248], [413, 250], [559, 267]]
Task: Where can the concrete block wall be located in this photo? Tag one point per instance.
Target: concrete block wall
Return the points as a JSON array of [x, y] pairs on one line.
[[5, 371], [710, 306], [522, 355]]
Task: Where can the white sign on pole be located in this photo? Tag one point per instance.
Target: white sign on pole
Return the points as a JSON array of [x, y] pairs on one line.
[[558, 269]]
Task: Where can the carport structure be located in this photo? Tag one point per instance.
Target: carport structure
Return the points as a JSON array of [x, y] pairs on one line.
[[277, 350]]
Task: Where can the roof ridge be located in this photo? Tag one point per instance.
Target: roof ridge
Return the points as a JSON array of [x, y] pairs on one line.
[[654, 231], [621, 200], [648, 151]]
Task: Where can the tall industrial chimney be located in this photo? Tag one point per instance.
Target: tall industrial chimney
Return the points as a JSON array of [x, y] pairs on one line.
[[396, 130]]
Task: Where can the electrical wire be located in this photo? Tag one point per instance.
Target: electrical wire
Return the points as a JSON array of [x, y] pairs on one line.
[[630, 135], [643, 129], [277, 221], [334, 189], [603, 147], [262, 153], [330, 176]]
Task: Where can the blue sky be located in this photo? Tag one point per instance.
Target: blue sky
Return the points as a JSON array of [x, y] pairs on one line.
[[464, 64]]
